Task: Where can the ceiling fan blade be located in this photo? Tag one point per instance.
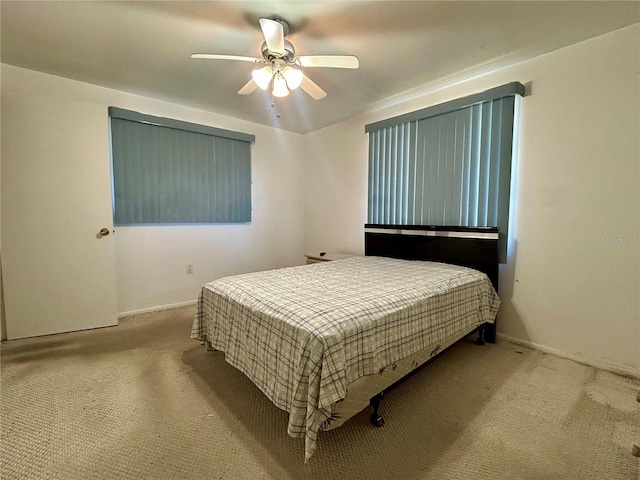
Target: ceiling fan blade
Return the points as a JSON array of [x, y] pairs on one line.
[[208, 56], [249, 87], [274, 35], [332, 61], [312, 89]]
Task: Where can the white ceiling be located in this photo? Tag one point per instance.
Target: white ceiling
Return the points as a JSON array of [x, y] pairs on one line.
[[403, 47]]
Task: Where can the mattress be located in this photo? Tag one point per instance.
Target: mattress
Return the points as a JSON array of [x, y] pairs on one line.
[[303, 334]]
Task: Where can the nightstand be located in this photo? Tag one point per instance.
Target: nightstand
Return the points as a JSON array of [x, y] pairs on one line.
[[327, 257]]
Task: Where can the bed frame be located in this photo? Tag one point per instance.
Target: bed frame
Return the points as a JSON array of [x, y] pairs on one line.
[[473, 247]]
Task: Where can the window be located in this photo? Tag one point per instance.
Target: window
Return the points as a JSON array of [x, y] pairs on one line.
[[168, 171], [449, 164]]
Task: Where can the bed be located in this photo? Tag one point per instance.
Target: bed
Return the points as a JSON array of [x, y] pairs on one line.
[[324, 341]]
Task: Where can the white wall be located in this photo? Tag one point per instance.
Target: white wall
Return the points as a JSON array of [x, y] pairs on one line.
[[150, 261], [571, 284], [336, 188]]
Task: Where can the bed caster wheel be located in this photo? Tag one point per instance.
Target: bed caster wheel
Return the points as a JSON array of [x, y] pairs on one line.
[[376, 420]]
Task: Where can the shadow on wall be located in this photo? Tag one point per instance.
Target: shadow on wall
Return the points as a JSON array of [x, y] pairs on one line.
[[510, 321]]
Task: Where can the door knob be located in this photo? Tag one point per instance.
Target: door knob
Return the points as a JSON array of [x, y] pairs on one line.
[[104, 232]]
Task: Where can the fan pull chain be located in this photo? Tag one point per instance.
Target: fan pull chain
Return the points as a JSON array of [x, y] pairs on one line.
[[273, 105]]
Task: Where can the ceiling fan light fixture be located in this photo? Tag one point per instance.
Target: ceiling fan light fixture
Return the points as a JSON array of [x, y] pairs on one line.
[[279, 86], [293, 77], [280, 65], [262, 77]]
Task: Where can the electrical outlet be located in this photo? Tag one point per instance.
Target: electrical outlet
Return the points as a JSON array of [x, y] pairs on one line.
[[189, 268]]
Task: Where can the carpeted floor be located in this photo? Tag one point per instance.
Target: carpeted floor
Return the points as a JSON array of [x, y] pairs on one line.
[[143, 401]]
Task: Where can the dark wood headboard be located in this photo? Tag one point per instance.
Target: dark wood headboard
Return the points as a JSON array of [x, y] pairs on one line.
[[473, 247]]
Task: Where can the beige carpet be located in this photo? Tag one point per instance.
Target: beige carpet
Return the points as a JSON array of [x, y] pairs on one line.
[[143, 401]]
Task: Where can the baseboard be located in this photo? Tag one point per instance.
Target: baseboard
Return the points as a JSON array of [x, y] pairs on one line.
[[156, 309], [610, 367]]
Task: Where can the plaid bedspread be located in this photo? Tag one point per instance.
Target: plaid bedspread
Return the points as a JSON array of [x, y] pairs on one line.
[[302, 334]]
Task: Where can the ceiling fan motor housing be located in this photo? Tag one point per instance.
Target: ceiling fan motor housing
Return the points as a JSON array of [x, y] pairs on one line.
[[289, 52]]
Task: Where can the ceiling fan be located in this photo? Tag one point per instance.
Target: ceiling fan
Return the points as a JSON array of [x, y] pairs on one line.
[[280, 67]]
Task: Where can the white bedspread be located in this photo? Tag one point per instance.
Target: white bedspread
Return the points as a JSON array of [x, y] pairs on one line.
[[302, 334]]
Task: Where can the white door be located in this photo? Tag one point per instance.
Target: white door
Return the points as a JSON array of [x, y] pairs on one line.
[[58, 271]]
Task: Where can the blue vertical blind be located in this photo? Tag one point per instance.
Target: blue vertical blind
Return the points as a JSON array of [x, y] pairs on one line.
[[446, 165], [167, 171]]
